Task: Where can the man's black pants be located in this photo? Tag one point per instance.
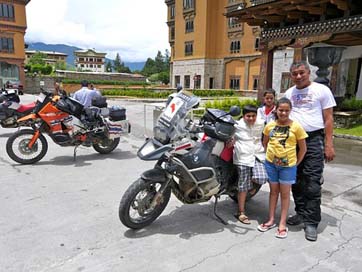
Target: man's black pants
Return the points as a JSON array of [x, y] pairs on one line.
[[307, 190]]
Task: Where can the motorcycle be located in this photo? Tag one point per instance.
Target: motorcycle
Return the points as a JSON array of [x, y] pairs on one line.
[[11, 109], [193, 171], [67, 123]]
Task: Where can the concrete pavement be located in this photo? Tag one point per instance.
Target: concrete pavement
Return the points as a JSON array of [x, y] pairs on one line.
[[61, 215]]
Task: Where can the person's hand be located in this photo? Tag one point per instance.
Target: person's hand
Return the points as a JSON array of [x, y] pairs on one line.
[[230, 143], [329, 153]]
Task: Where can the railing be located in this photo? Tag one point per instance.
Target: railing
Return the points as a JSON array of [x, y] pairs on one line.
[[260, 2]]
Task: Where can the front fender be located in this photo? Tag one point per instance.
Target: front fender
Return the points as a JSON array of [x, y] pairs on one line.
[[155, 174]]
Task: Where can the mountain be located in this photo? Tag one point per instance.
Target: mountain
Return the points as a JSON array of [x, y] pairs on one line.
[[69, 50]]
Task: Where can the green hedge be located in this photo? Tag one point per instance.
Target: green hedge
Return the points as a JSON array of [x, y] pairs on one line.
[[107, 82], [143, 93], [227, 103], [351, 104]]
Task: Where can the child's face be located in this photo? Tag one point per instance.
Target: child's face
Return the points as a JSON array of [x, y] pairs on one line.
[[269, 99], [283, 111], [250, 118]]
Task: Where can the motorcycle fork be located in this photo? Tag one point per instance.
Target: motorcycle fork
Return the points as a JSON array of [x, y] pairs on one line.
[[34, 139], [158, 198]]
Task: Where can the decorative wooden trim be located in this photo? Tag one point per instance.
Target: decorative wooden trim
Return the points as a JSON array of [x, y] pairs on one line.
[[334, 26]]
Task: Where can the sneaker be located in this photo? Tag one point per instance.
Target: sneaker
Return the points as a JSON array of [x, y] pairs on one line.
[[295, 220], [311, 233]]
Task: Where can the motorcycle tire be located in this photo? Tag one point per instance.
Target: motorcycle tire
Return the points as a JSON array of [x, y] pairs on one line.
[[18, 150], [138, 198], [106, 146], [251, 193]]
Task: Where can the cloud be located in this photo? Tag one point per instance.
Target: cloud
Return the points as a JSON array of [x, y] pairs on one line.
[[135, 29]]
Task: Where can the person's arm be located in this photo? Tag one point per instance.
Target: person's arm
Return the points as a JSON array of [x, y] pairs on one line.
[[265, 141], [329, 152], [302, 146]]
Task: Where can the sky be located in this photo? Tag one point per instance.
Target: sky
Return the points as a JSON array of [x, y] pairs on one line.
[[136, 29]]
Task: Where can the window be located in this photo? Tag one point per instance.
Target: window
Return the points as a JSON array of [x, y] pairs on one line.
[[211, 83], [189, 48], [189, 26], [189, 4], [99, 60], [7, 45], [81, 59], [197, 81], [286, 82], [257, 43], [172, 33], [255, 82], [234, 83], [172, 11], [7, 12], [187, 82], [235, 47], [177, 81], [233, 22]]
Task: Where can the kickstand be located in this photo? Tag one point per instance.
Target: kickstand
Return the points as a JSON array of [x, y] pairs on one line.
[[75, 153], [217, 216]]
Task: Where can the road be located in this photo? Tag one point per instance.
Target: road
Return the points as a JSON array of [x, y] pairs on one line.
[[62, 215]]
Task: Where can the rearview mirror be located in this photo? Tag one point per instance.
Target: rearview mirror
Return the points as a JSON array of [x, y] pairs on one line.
[[235, 111]]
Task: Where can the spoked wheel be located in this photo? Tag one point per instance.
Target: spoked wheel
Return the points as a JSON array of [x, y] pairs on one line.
[[106, 146], [142, 203], [17, 147]]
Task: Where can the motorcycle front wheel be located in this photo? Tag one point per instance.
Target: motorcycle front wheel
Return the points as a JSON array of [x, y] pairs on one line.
[[17, 147], [106, 146], [136, 210]]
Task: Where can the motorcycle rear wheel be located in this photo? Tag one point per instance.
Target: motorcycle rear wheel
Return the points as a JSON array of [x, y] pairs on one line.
[[138, 199], [106, 146], [18, 150]]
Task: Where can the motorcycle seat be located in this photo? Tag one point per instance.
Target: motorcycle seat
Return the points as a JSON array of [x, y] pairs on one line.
[[26, 107]]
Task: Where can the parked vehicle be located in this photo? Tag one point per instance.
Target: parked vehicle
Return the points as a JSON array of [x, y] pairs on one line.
[[15, 85], [194, 173], [11, 109], [67, 123]]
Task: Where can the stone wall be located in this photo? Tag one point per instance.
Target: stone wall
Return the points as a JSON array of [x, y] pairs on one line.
[[99, 76]]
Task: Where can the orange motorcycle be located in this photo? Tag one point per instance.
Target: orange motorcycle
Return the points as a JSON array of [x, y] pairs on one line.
[[67, 123]]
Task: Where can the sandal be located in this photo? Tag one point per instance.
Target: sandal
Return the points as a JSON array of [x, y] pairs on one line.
[[282, 233], [243, 218], [264, 227]]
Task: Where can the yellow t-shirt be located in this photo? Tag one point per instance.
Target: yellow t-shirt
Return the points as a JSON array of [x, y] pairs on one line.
[[282, 143]]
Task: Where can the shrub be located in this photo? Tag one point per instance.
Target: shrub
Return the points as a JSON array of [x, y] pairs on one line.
[[227, 103], [351, 104]]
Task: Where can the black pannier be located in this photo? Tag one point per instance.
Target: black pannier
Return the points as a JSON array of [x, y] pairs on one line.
[[117, 113], [99, 101], [70, 105]]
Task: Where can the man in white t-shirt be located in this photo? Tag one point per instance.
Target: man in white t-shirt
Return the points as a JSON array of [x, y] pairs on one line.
[[313, 108]]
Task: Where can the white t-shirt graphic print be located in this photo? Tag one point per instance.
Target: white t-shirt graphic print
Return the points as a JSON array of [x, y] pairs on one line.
[[309, 103]]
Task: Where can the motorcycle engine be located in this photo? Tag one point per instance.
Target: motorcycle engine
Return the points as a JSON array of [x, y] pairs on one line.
[[198, 192]]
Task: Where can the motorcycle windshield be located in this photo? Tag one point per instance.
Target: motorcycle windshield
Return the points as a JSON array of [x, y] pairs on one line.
[[172, 120]]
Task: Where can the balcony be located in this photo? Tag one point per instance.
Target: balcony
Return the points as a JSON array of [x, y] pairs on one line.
[[260, 2]]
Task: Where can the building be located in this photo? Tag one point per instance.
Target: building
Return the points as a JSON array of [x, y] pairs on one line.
[[209, 50], [89, 60], [12, 46], [51, 58], [327, 33]]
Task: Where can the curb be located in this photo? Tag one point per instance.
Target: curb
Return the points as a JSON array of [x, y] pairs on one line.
[[347, 136]]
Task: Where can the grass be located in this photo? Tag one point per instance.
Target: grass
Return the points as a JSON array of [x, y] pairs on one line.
[[355, 131]]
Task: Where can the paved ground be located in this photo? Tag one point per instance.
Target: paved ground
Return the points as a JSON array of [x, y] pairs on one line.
[[61, 215]]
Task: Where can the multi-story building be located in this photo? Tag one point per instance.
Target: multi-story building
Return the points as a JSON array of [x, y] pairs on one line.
[[90, 60], [12, 46], [51, 57], [209, 50]]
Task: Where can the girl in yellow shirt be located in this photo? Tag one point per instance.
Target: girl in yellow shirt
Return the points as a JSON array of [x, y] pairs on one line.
[[281, 138]]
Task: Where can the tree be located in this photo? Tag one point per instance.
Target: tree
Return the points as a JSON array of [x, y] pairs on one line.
[[119, 66], [164, 77], [108, 66], [159, 62], [60, 65], [37, 58], [149, 67]]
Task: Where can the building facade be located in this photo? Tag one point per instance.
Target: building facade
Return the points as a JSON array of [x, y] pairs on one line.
[[51, 58], [12, 46], [326, 33], [209, 50], [89, 60]]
